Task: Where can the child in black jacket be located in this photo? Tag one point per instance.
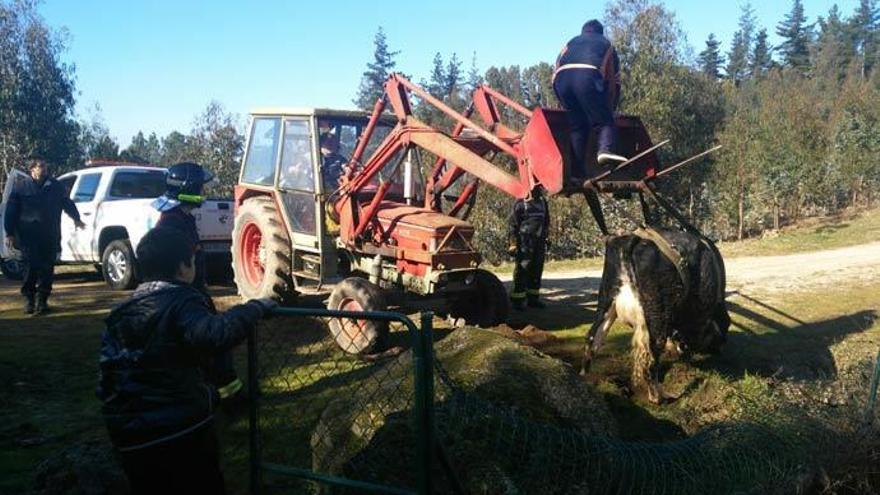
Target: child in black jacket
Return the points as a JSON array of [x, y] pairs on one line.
[[158, 407]]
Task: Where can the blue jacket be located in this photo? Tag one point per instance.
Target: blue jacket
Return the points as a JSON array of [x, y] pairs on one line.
[[153, 352]]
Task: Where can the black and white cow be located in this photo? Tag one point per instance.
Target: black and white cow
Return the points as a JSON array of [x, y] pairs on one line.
[[667, 285]]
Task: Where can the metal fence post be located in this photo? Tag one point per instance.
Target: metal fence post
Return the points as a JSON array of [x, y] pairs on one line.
[[872, 394], [253, 394], [424, 401]]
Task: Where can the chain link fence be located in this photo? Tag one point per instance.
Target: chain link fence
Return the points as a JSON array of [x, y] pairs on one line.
[[328, 421]]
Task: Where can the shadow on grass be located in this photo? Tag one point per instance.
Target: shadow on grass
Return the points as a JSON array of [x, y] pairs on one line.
[[569, 302], [787, 346]]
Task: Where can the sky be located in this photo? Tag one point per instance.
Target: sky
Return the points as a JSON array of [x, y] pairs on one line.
[[154, 65]]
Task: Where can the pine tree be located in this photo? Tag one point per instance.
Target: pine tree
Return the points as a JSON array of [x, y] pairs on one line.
[[710, 59], [834, 49], [436, 85], [372, 82], [453, 75], [738, 58], [474, 78], [864, 26], [761, 59], [796, 35]]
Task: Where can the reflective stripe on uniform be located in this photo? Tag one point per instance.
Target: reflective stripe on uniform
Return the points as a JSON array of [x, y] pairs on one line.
[[533, 292], [573, 66], [230, 389], [517, 295]]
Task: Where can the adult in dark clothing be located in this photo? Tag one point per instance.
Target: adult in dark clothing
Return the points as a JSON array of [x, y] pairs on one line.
[[183, 194], [33, 225], [157, 405], [587, 83], [527, 230], [332, 163]]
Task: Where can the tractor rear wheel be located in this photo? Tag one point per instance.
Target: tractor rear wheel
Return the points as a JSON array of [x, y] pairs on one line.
[[261, 251], [358, 336], [486, 305]]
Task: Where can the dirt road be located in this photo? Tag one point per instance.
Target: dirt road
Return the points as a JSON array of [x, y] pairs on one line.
[[764, 274]]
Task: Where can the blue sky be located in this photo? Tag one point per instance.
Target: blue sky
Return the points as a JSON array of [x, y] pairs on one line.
[[154, 65]]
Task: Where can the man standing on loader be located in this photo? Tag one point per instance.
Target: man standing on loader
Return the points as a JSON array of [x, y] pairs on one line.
[[33, 225], [183, 194], [527, 231], [587, 84]]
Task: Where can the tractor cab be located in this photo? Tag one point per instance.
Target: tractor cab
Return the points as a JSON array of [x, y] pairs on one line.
[[292, 163]]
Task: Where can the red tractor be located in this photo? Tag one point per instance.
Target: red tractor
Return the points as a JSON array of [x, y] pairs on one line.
[[373, 228]]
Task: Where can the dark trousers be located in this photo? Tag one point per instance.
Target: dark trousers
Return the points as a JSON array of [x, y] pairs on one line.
[[584, 96], [185, 465], [39, 267], [529, 267]]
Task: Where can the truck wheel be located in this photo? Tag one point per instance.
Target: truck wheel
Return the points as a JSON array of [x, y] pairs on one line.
[[12, 269], [358, 336], [261, 252], [486, 305], [118, 265]]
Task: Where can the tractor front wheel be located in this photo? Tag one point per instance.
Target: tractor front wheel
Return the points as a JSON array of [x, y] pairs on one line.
[[261, 251], [486, 305], [353, 336]]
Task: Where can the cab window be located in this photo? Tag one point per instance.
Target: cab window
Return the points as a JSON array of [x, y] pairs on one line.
[[297, 171], [259, 166]]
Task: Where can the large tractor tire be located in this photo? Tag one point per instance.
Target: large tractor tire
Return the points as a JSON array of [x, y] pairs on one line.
[[362, 337], [118, 265], [486, 305], [261, 252]]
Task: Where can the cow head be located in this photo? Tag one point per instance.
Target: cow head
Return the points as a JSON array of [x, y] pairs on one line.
[[706, 338]]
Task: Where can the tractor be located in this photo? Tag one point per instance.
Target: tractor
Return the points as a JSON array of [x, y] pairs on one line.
[[375, 233]]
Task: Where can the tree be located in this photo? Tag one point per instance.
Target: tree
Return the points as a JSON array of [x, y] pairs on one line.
[[474, 78], [453, 77], [834, 49], [710, 59], [372, 82], [36, 90], [95, 140], [796, 35], [143, 150], [738, 58], [436, 84], [864, 31], [175, 148], [217, 143], [761, 59]]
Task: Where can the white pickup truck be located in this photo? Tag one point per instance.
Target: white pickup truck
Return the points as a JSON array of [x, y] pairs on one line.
[[114, 203]]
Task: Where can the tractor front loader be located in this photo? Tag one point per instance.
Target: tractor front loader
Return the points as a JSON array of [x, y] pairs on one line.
[[372, 229]]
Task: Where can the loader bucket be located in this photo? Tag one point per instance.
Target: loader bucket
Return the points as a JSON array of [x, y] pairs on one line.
[[546, 145]]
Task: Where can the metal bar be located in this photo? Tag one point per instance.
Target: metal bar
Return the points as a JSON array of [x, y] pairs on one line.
[[483, 133], [333, 480], [371, 209], [506, 100], [626, 163], [253, 397], [479, 167], [424, 403], [682, 163], [463, 198], [378, 108], [596, 209]]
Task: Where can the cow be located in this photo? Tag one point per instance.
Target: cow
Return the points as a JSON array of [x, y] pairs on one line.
[[668, 285]]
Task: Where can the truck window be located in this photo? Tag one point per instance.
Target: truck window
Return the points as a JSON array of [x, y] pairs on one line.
[[296, 157], [259, 166], [138, 185], [86, 187]]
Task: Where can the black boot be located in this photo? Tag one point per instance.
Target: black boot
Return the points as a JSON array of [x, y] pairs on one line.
[[534, 302], [42, 305], [518, 304], [29, 305]]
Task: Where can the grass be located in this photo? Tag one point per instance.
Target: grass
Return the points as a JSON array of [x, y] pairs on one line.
[[847, 229]]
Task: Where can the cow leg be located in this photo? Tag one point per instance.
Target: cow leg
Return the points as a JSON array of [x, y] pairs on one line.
[[596, 336], [648, 343]]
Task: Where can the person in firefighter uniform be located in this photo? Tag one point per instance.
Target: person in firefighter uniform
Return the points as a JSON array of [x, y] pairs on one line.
[[183, 194], [528, 227]]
